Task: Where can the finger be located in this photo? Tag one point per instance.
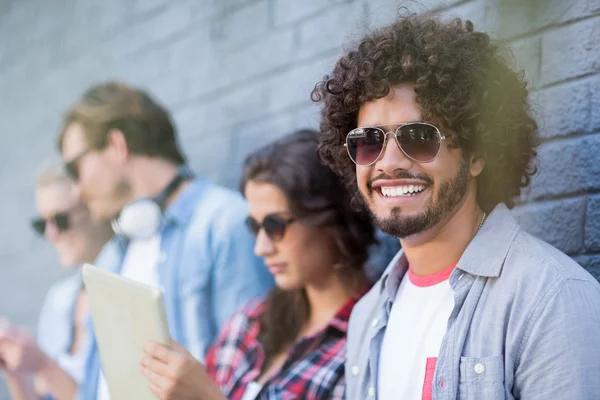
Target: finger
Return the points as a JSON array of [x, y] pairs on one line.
[[156, 390], [157, 367], [178, 348], [155, 382], [160, 352]]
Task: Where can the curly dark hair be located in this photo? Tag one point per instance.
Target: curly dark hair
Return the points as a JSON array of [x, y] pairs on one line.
[[317, 198], [463, 83]]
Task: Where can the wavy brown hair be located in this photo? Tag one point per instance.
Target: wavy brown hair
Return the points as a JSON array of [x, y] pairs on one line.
[[316, 198], [463, 83]]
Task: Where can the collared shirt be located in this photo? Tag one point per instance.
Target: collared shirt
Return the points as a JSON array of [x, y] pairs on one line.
[[525, 325], [56, 326], [207, 269], [314, 368]]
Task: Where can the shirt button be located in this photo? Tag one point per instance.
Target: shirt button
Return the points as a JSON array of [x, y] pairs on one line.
[[374, 323], [371, 391], [355, 370], [442, 384], [479, 369]]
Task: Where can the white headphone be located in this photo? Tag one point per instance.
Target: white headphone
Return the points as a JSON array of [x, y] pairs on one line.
[[141, 218]]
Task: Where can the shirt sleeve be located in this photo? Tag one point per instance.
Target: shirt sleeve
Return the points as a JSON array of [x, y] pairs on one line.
[[559, 357], [225, 277], [238, 275]]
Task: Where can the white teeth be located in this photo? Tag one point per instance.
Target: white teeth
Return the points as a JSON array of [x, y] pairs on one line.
[[404, 190]]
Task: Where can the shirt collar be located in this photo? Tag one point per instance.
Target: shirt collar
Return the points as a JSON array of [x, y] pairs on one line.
[[392, 276], [339, 321], [181, 210], [486, 253], [484, 256]]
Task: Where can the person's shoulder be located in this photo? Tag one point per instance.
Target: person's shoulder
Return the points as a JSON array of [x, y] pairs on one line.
[[62, 293], [217, 203], [217, 195], [540, 260], [242, 320]]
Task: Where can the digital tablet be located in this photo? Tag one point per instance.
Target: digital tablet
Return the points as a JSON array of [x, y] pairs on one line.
[[126, 315]]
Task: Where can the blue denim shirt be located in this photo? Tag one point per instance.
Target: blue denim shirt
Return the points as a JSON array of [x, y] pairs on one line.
[[525, 325], [207, 270]]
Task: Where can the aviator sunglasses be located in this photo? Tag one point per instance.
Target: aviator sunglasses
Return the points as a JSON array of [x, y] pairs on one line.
[[419, 141], [273, 224]]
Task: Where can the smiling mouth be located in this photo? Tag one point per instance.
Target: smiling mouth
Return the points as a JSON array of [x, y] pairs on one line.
[[401, 191]]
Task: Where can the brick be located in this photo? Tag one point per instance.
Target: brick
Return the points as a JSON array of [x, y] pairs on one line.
[[516, 17], [473, 11], [568, 166], [528, 53], [241, 25], [565, 109], [210, 155], [592, 225], [306, 117], [287, 12], [560, 223], [595, 104], [383, 12], [331, 29], [570, 51], [260, 58], [144, 6], [248, 137], [233, 107], [590, 263], [294, 86]]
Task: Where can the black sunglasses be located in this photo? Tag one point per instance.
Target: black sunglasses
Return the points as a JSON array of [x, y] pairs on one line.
[[419, 141], [61, 220], [72, 167], [273, 224]]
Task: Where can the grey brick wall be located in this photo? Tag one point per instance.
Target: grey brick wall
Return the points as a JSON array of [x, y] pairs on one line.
[[238, 73]]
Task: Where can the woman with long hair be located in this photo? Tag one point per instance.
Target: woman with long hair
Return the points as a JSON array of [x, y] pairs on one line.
[[292, 344]]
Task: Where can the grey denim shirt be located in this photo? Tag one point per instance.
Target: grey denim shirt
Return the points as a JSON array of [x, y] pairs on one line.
[[525, 325]]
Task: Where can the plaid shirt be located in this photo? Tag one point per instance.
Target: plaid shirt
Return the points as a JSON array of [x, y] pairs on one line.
[[314, 368]]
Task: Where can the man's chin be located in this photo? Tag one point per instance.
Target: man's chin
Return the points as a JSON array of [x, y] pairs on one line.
[[402, 226]]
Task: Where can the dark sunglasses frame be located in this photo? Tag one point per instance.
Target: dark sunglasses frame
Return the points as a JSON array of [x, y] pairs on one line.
[[62, 221], [72, 167], [396, 134], [274, 226]]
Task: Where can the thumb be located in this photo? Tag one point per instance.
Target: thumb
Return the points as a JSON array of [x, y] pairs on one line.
[[178, 348]]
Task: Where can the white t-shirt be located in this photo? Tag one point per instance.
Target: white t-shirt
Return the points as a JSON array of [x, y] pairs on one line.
[[417, 324], [140, 264]]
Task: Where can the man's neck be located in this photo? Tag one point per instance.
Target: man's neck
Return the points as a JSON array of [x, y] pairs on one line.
[[443, 245], [150, 176]]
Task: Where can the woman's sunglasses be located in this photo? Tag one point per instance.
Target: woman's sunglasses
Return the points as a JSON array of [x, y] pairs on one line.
[[60, 220], [419, 141], [273, 224]]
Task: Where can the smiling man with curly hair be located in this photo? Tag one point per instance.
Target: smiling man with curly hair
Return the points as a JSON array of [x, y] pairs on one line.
[[432, 130]]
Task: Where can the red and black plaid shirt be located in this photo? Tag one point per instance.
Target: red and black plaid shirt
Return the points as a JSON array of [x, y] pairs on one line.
[[314, 368]]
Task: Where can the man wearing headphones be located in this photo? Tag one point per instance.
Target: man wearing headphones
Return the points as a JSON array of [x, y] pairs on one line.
[[183, 235]]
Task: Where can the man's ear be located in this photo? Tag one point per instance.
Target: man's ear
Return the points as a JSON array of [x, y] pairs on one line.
[[476, 165], [117, 144]]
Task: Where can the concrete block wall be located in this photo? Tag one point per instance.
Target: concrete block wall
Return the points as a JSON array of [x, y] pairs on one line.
[[238, 73]]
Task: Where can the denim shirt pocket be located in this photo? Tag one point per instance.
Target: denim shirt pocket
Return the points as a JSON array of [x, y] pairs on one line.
[[481, 378]]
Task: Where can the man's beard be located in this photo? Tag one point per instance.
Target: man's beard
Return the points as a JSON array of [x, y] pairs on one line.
[[449, 195]]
